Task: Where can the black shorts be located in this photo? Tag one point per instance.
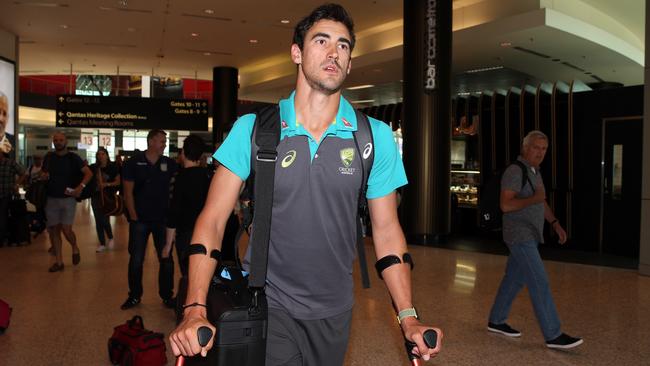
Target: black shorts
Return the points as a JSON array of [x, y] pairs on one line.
[[295, 342]]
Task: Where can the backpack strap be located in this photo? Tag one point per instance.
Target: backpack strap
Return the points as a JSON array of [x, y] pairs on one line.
[[266, 136], [524, 176], [363, 138]]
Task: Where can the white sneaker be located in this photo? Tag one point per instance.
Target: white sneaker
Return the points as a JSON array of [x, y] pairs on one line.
[[100, 249], [110, 244]]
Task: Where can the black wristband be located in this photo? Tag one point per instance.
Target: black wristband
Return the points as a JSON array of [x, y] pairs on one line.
[[193, 304]]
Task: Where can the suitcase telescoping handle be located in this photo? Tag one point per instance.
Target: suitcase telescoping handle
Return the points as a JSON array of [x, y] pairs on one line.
[[430, 339], [204, 334]]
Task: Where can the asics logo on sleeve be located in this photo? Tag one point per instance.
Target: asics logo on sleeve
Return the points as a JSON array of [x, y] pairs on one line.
[[289, 158], [367, 150]]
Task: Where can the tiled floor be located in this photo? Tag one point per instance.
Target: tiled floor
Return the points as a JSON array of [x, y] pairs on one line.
[[66, 318]]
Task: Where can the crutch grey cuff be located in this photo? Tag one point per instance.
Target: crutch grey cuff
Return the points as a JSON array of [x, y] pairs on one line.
[[391, 260]]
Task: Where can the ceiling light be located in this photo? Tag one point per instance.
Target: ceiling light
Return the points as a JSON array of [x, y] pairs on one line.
[[194, 34], [363, 101], [474, 71], [360, 87], [253, 41], [44, 5], [208, 11], [206, 53], [505, 44], [285, 21], [64, 26]]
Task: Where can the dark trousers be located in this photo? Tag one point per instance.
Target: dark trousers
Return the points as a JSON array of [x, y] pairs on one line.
[[294, 342], [138, 237], [102, 222], [4, 219], [183, 239]]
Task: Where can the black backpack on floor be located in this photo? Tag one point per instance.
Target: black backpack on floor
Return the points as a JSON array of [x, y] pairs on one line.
[[491, 216]]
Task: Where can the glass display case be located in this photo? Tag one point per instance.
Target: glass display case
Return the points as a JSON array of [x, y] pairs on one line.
[[464, 184]]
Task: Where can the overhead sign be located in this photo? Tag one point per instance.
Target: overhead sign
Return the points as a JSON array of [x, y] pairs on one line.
[[131, 113]]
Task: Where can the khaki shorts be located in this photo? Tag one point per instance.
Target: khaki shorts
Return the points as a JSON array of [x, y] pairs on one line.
[[60, 211]]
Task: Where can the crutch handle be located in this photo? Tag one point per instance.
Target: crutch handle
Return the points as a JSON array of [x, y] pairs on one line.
[[204, 334], [430, 339]]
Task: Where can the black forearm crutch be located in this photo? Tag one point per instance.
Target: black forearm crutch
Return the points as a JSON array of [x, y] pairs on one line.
[[430, 339], [204, 334]]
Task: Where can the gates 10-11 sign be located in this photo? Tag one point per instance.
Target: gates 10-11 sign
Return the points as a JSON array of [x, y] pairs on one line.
[[131, 113]]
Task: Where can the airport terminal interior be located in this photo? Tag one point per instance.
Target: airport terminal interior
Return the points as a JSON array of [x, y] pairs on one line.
[[105, 72]]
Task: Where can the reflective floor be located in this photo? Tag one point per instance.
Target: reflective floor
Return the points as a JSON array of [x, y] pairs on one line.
[[66, 318]]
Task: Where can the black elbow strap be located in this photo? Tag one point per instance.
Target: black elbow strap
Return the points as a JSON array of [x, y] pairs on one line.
[[200, 249], [391, 260]]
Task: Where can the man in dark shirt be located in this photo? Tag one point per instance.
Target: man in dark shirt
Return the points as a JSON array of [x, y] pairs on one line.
[[9, 169], [62, 169], [188, 197], [146, 178]]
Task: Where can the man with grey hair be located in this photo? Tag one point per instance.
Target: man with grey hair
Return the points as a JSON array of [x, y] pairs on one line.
[[6, 139], [523, 202]]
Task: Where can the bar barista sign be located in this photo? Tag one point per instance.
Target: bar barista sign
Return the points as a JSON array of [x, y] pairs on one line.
[[430, 62], [131, 113]]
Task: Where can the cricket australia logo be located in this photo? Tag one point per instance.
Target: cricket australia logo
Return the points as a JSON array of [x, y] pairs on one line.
[[288, 159], [347, 157]]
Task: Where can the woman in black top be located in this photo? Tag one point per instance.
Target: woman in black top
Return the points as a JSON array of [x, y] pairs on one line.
[[188, 197], [110, 180]]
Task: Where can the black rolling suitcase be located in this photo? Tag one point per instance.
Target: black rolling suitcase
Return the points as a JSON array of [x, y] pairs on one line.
[[18, 222]]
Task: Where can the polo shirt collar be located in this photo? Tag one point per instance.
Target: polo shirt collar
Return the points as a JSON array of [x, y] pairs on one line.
[[345, 120]]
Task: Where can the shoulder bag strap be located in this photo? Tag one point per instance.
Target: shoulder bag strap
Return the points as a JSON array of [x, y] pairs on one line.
[[524, 176], [267, 137], [366, 150]]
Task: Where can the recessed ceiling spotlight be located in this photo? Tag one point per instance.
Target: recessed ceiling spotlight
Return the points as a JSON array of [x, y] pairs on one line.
[[253, 41], [64, 26], [208, 11], [505, 44], [285, 21], [207, 53], [194, 34]]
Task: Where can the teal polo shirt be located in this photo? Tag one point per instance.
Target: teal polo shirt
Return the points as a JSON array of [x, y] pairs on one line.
[[313, 225]]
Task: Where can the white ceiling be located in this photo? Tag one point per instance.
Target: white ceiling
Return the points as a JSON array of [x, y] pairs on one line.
[[155, 36]]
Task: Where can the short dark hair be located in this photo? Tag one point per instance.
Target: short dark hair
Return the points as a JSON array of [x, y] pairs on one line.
[[193, 147], [154, 133], [328, 11]]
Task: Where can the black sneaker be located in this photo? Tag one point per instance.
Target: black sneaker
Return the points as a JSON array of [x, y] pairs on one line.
[[170, 303], [130, 302], [564, 341], [504, 329]]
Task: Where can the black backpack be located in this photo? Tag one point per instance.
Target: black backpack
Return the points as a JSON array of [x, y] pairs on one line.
[[264, 141], [491, 216]]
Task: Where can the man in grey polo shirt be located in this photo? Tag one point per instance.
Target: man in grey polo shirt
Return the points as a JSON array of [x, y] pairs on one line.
[[313, 227], [524, 211]]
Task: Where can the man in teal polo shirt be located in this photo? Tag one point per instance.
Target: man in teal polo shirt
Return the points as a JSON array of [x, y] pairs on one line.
[[313, 229]]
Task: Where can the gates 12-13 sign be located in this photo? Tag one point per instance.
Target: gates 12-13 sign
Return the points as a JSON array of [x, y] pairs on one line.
[[131, 113]]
